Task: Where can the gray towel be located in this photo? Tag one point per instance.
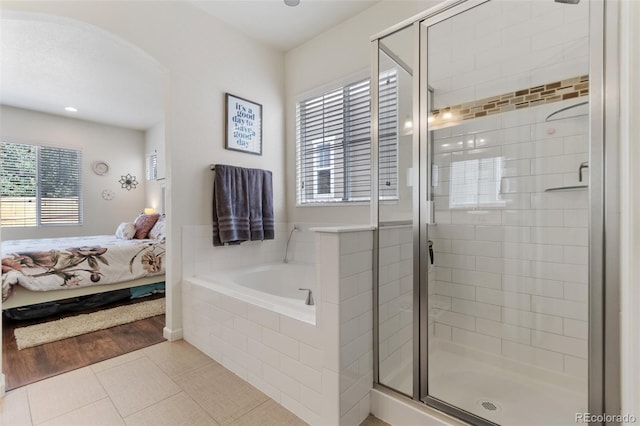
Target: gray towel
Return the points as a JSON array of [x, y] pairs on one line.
[[242, 205]]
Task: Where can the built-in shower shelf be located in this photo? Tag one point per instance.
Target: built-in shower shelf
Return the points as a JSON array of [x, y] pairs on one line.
[[567, 188]]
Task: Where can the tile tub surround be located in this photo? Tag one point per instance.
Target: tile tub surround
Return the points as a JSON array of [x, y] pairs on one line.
[[199, 257], [322, 373]]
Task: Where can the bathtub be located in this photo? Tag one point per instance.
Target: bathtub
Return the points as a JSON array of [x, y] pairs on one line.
[[273, 286]]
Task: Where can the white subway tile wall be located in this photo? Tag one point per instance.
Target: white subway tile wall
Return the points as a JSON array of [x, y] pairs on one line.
[[395, 301], [511, 260], [512, 279], [506, 46]]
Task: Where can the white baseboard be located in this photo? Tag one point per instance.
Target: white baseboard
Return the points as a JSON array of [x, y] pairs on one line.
[[172, 335]]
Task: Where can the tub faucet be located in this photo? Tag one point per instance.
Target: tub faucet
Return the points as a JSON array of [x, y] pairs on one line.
[[286, 250], [309, 300]]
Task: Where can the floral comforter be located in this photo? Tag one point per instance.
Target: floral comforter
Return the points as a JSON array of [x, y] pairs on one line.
[[59, 263]]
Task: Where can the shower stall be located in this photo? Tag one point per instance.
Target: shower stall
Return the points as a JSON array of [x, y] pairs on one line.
[[488, 137]]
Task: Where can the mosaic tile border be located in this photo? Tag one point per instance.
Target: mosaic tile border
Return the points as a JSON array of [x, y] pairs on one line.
[[544, 94]]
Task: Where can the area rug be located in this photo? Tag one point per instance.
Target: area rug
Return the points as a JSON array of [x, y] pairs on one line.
[[39, 334]]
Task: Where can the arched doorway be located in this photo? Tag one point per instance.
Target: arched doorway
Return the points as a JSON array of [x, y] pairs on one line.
[[50, 62]]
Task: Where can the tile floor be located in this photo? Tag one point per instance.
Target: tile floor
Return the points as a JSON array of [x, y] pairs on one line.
[[165, 384]]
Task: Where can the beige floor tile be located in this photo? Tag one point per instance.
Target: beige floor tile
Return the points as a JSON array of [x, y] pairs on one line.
[[100, 413], [14, 408], [136, 385], [221, 393], [178, 410], [269, 413], [373, 421], [119, 360], [62, 394], [175, 358]]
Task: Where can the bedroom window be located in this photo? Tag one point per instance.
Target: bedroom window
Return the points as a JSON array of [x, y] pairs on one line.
[[40, 185], [334, 144], [152, 167]]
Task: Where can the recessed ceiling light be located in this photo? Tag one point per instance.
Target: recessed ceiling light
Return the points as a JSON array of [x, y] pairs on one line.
[[292, 3], [71, 109]]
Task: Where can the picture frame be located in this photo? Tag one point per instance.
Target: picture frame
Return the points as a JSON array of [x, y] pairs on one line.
[[243, 125]]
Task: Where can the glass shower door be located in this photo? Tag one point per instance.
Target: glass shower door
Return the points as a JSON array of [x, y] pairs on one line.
[[508, 151]]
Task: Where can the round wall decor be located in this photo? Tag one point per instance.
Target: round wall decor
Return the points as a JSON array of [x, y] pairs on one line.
[[107, 194], [100, 168]]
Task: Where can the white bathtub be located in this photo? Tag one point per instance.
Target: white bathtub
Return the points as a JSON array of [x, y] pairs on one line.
[[273, 286]]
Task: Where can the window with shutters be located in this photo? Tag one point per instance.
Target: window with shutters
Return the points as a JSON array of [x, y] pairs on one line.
[[334, 143], [40, 185]]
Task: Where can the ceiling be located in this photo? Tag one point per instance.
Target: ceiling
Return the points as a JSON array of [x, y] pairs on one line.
[[279, 25], [49, 64]]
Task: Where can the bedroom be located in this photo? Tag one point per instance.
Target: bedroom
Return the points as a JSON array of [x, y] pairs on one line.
[[83, 155], [195, 104]]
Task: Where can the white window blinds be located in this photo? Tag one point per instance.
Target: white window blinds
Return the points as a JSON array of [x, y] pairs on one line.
[[334, 143], [152, 167], [40, 185]]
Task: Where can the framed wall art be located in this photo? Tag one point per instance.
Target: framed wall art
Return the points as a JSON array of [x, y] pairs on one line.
[[243, 125]]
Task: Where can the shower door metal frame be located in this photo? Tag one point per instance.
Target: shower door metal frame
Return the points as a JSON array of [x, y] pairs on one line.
[[604, 301]]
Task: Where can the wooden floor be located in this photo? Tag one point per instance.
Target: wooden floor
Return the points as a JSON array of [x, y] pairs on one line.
[[33, 364]]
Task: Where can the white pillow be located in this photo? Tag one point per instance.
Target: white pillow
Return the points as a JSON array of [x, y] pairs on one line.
[[158, 231], [126, 231]]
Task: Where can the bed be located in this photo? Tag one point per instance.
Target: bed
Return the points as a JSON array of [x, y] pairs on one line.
[[43, 270]]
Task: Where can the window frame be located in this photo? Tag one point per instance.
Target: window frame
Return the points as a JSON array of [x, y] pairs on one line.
[[151, 166], [330, 153], [302, 163]]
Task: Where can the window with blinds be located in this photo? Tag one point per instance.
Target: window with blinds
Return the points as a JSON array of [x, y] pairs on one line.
[[334, 143], [152, 167], [40, 185]]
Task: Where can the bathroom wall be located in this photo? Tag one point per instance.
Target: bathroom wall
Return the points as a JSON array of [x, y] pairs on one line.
[[343, 51], [629, 36], [202, 258]]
